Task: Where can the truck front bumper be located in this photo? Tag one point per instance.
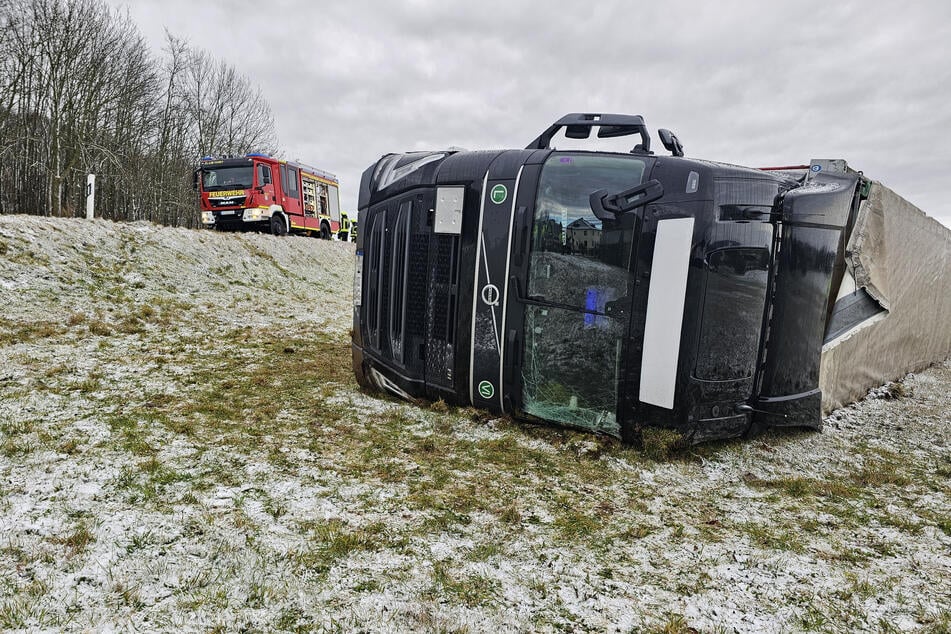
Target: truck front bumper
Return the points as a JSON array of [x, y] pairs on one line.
[[234, 218]]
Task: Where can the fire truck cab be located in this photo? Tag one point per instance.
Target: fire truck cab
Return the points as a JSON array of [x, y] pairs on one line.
[[260, 192]]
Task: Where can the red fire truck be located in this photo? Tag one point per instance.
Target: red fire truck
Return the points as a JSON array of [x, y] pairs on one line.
[[260, 192]]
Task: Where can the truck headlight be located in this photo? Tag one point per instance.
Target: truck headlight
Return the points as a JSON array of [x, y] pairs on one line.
[[208, 218], [250, 215]]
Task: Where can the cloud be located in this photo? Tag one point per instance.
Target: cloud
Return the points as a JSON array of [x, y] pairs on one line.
[[742, 82]]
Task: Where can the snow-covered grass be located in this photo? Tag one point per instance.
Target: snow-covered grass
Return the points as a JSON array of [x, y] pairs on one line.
[[182, 445]]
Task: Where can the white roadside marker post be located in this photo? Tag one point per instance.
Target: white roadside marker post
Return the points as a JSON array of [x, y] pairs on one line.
[[90, 195]]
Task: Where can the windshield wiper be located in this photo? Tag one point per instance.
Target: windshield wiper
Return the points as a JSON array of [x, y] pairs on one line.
[[540, 300], [218, 188]]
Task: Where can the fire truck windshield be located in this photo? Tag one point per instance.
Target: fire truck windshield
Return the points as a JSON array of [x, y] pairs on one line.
[[231, 177], [578, 283]]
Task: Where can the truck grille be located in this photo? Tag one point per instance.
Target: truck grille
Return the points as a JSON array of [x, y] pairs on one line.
[[410, 288], [441, 311], [227, 202]]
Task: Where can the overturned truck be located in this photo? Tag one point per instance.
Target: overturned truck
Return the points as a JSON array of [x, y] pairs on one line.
[[613, 291]]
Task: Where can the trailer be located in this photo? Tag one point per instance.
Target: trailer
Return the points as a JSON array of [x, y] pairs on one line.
[[263, 193], [615, 291]]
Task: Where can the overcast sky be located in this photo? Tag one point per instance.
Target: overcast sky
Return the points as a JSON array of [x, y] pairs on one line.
[[753, 83]]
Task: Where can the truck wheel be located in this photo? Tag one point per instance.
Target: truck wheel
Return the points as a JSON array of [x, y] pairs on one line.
[[343, 236], [278, 226], [325, 231]]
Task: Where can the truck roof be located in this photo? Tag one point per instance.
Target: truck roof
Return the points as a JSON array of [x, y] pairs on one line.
[[242, 160]]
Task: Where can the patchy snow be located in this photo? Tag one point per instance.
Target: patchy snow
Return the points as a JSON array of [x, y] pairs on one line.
[[132, 497]]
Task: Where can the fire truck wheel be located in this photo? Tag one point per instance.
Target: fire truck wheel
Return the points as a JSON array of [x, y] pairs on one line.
[[343, 236], [278, 226], [324, 231]]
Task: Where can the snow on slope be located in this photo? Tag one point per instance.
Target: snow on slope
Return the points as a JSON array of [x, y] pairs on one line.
[[182, 446]]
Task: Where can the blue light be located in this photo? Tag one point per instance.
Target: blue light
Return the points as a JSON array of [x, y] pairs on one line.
[[592, 299]]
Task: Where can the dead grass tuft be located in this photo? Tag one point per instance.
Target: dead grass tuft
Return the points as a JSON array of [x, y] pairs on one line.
[[659, 444]]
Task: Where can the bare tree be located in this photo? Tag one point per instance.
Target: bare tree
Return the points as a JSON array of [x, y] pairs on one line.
[[80, 92], [230, 115]]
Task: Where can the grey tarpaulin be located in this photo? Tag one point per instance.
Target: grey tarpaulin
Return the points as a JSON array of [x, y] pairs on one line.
[[902, 259]]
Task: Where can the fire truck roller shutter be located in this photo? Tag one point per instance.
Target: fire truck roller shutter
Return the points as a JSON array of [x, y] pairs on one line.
[[334, 196]]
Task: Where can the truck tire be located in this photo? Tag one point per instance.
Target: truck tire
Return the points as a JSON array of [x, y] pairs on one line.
[[278, 226], [324, 231]]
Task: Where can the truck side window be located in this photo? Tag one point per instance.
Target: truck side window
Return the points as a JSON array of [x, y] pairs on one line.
[[284, 179], [292, 187], [264, 175]]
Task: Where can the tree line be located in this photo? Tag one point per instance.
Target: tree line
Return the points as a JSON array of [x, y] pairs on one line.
[[81, 92]]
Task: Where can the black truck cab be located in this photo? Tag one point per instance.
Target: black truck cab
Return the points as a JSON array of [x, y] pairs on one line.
[[599, 290]]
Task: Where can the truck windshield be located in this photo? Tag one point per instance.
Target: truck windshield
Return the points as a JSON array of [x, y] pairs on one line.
[[231, 177], [578, 283]]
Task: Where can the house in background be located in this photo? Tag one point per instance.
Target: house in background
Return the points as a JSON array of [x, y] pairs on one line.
[[583, 237]]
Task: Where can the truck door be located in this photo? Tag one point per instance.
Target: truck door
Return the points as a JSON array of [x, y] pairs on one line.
[[578, 292], [290, 183], [264, 182]]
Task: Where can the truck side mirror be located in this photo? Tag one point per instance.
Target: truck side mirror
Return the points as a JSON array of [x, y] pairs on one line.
[[671, 142], [195, 180]]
